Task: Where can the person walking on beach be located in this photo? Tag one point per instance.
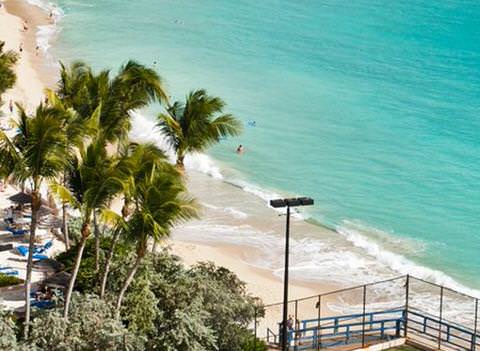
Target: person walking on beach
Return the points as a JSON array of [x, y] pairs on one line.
[[20, 48], [10, 106], [25, 26]]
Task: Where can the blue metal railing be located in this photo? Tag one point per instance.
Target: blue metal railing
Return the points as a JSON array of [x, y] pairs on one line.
[[332, 331]]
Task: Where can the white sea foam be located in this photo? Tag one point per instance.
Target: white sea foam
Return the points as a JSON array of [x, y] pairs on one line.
[[144, 129], [399, 263], [46, 33], [312, 259]]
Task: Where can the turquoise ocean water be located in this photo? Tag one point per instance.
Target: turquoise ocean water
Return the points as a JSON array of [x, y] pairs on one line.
[[370, 107]]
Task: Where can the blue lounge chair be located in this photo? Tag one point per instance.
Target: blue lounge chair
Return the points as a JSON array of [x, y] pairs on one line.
[[12, 273], [38, 249], [17, 232], [43, 304], [22, 250]]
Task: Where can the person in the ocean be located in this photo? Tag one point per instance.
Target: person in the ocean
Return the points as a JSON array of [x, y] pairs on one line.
[[240, 149]]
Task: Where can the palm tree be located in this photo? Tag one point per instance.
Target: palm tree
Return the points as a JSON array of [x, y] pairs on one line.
[[134, 87], [160, 202], [136, 161], [78, 130], [196, 124], [37, 153], [93, 184], [8, 78]]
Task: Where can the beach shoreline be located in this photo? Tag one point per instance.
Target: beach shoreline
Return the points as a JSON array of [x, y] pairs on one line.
[[34, 74]]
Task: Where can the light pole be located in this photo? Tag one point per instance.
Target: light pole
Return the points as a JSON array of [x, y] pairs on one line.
[[280, 203]]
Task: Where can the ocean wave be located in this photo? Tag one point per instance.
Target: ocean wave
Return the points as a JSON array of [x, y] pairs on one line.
[[145, 130], [312, 259], [46, 33], [397, 262]]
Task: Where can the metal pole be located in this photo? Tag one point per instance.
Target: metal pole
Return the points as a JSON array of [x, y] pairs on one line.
[[440, 319], [319, 323], [255, 332], [295, 337], [363, 322], [285, 284], [474, 346], [407, 295]]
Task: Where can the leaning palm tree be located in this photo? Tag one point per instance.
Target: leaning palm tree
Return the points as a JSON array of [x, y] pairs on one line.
[[8, 59], [160, 202], [93, 184], [136, 162], [36, 153], [78, 130], [196, 124]]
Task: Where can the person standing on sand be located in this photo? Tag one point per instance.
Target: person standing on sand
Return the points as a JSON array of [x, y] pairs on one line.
[[20, 48], [10, 106], [25, 26]]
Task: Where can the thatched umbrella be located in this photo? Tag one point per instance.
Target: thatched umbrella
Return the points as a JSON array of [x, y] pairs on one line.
[[21, 198]]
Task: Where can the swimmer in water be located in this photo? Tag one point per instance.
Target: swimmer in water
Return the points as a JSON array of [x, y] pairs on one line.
[[240, 149]]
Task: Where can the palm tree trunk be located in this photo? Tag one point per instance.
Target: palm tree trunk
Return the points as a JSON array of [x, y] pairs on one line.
[[128, 281], [96, 232], [36, 201], [108, 261], [180, 163], [78, 260], [64, 216], [154, 246], [65, 226]]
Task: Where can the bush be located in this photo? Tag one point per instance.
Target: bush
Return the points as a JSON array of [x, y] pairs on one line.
[[8, 339], [8, 280], [91, 326]]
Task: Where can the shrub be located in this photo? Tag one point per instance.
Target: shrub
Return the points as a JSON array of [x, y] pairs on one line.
[[8, 280], [8, 339], [91, 326]]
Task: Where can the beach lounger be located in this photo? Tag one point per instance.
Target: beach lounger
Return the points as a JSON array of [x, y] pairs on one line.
[[5, 268], [17, 232], [22, 250], [43, 304], [12, 273], [40, 249]]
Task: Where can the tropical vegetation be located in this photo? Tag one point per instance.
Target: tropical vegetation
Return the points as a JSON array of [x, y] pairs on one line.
[[8, 59], [9, 280], [122, 293], [195, 125]]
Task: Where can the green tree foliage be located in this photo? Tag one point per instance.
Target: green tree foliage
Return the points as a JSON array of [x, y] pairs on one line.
[[196, 124], [92, 326], [35, 154], [8, 59], [175, 308], [8, 340], [8, 280], [134, 87]]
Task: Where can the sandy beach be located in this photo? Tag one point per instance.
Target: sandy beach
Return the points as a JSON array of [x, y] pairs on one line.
[[34, 75]]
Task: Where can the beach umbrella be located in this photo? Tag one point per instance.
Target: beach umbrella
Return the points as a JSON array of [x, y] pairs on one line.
[[21, 198]]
